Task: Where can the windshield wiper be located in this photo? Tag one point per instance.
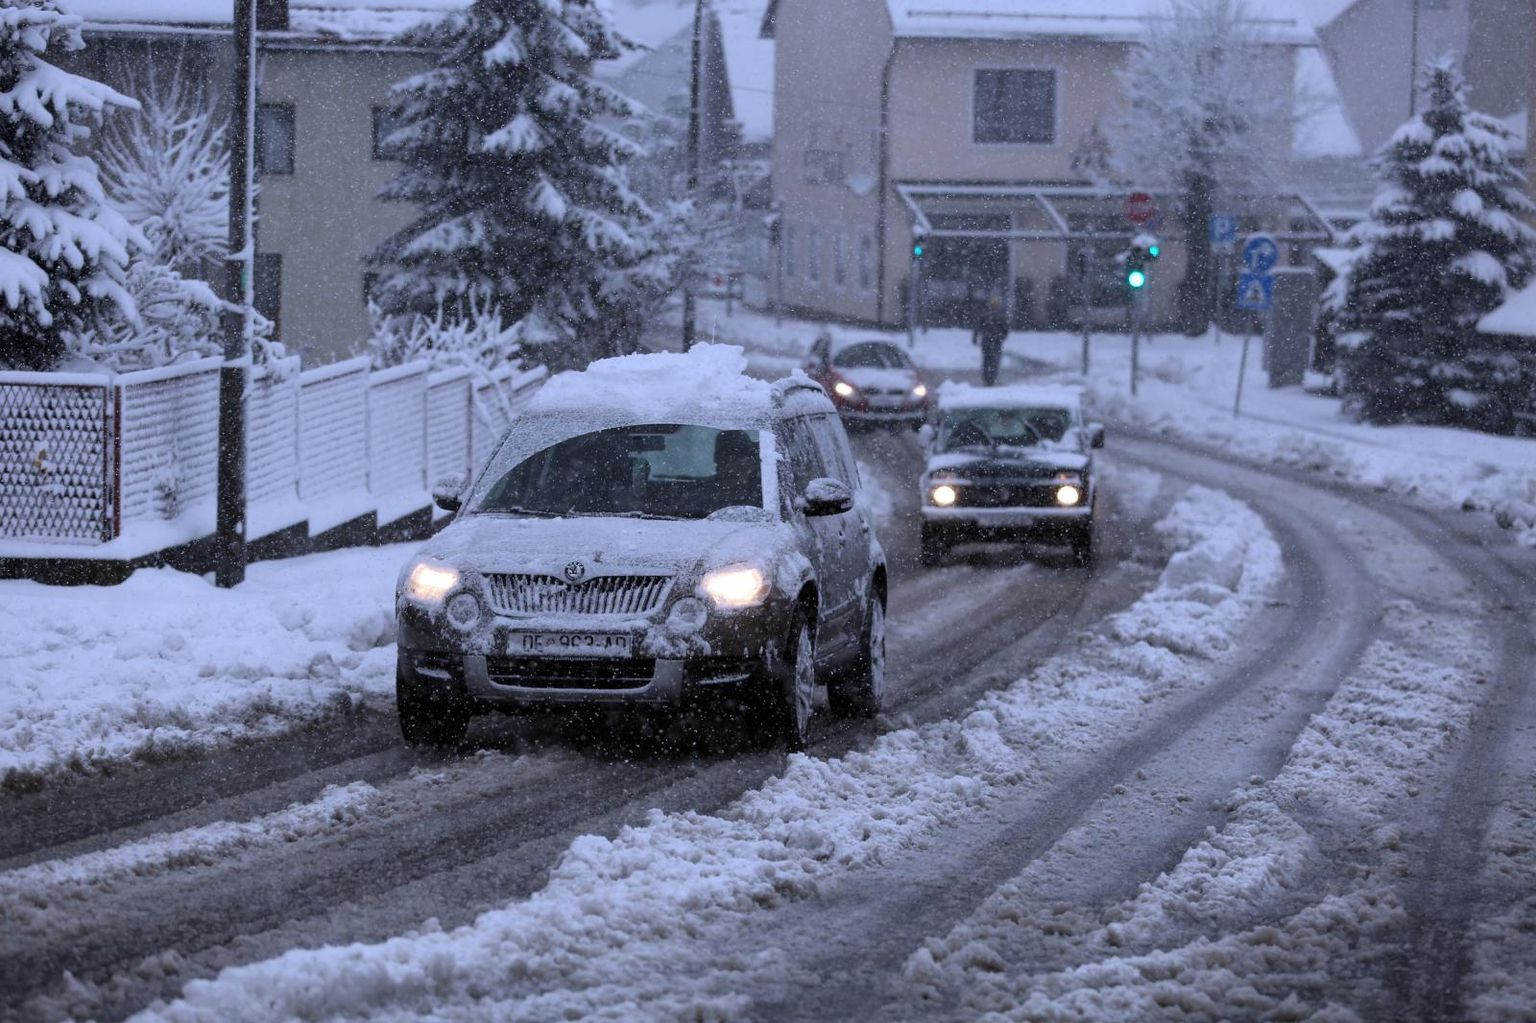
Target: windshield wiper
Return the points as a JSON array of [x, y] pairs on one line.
[[538, 513], [622, 515]]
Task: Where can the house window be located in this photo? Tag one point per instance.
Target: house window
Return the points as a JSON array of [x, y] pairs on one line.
[[813, 254], [839, 258], [268, 287], [866, 263], [824, 167], [384, 122], [274, 138], [1015, 107]]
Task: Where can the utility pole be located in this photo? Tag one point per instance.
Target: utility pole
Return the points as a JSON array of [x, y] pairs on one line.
[[694, 90], [230, 518], [1413, 61]]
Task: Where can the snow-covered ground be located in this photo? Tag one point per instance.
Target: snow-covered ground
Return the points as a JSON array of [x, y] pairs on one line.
[[166, 662], [629, 927], [1187, 390]]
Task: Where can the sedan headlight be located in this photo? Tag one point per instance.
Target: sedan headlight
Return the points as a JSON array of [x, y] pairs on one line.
[[920, 391], [1068, 496], [429, 582], [736, 586], [943, 495], [844, 389]]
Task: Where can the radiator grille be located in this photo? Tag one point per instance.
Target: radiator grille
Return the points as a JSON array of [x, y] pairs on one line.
[[522, 594], [1005, 495]]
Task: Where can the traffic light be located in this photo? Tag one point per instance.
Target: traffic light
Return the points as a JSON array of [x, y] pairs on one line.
[[917, 250], [1139, 257]]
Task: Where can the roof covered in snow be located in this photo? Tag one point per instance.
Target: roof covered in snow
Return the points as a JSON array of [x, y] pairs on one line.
[[357, 20], [1323, 128], [1115, 20], [1517, 316], [961, 395], [709, 383]]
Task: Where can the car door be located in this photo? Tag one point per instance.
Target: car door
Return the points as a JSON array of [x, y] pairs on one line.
[[825, 533], [852, 528]]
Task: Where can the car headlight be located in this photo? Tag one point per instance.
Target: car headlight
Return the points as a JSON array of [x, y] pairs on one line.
[[844, 389], [429, 582], [920, 391], [736, 586], [1068, 495], [943, 495]]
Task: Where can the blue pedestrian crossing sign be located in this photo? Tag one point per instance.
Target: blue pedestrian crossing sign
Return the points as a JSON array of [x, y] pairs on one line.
[[1260, 254], [1255, 291]]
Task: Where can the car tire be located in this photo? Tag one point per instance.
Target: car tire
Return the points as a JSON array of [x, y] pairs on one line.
[[432, 714], [933, 547], [861, 693], [796, 690]]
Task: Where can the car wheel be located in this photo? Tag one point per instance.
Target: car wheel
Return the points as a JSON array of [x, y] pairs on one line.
[[797, 691], [933, 547], [432, 714], [862, 693]]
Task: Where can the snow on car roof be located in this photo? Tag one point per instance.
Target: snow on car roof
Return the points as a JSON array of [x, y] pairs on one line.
[[958, 395], [710, 382]]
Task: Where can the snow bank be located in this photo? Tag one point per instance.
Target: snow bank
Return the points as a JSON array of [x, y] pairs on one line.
[[166, 663], [623, 928]]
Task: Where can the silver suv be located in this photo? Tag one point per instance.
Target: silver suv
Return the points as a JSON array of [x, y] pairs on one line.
[[659, 529]]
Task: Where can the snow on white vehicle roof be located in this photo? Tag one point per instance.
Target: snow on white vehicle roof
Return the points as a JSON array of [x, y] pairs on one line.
[[954, 395], [707, 386]]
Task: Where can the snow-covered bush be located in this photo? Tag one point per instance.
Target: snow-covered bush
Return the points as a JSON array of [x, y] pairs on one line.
[[1445, 241], [481, 339], [166, 168], [64, 251], [510, 157]]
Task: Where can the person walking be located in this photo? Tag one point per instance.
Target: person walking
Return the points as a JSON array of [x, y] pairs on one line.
[[991, 331]]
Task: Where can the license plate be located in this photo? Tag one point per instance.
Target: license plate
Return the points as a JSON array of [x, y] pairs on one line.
[[569, 644]]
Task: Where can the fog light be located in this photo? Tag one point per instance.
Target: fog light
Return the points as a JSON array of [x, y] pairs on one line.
[[464, 611], [1068, 496], [688, 615], [944, 495]]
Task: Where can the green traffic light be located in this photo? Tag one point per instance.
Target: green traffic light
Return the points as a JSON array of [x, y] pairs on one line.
[[1154, 251], [1136, 279], [917, 250]]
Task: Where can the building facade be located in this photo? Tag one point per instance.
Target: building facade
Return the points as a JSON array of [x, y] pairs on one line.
[[923, 157]]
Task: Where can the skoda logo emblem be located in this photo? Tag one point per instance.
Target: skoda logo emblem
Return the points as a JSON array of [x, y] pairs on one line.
[[575, 571]]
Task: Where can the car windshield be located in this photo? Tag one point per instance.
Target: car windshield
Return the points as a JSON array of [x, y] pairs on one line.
[[1008, 427], [871, 355], [670, 471]]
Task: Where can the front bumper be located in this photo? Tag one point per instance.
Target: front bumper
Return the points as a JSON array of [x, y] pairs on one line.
[[961, 524]]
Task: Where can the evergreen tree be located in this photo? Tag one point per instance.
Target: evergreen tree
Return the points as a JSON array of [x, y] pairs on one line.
[[523, 201], [1443, 244], [63, 250]]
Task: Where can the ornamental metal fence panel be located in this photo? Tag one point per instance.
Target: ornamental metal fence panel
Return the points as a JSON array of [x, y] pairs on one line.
[[56, 465]]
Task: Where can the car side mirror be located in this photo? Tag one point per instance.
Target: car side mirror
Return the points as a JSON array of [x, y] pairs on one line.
[[1096, 435], [448, 492], [826, 497], [926, 435]]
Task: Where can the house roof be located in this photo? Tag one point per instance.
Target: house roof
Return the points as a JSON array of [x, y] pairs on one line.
[[1109, 20], [351, 20]]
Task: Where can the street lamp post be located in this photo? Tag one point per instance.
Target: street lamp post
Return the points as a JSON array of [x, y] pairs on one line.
[[694, 89], [229, 569], [1413, 61]]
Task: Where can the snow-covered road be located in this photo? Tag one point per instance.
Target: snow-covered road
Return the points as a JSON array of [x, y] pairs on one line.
[[1186, 789]]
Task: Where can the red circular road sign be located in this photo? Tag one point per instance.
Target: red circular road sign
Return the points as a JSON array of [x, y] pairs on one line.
[[1140, 207]]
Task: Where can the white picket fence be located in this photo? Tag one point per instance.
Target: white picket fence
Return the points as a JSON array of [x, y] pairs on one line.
[[130, 461]]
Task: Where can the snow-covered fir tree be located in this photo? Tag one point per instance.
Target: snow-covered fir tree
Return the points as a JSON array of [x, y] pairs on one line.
[[64, 250], [1444, 242], [519, 177]]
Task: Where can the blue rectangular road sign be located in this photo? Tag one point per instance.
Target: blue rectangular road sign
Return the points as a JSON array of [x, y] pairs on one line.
[[1255, 292], [1223, 229]]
